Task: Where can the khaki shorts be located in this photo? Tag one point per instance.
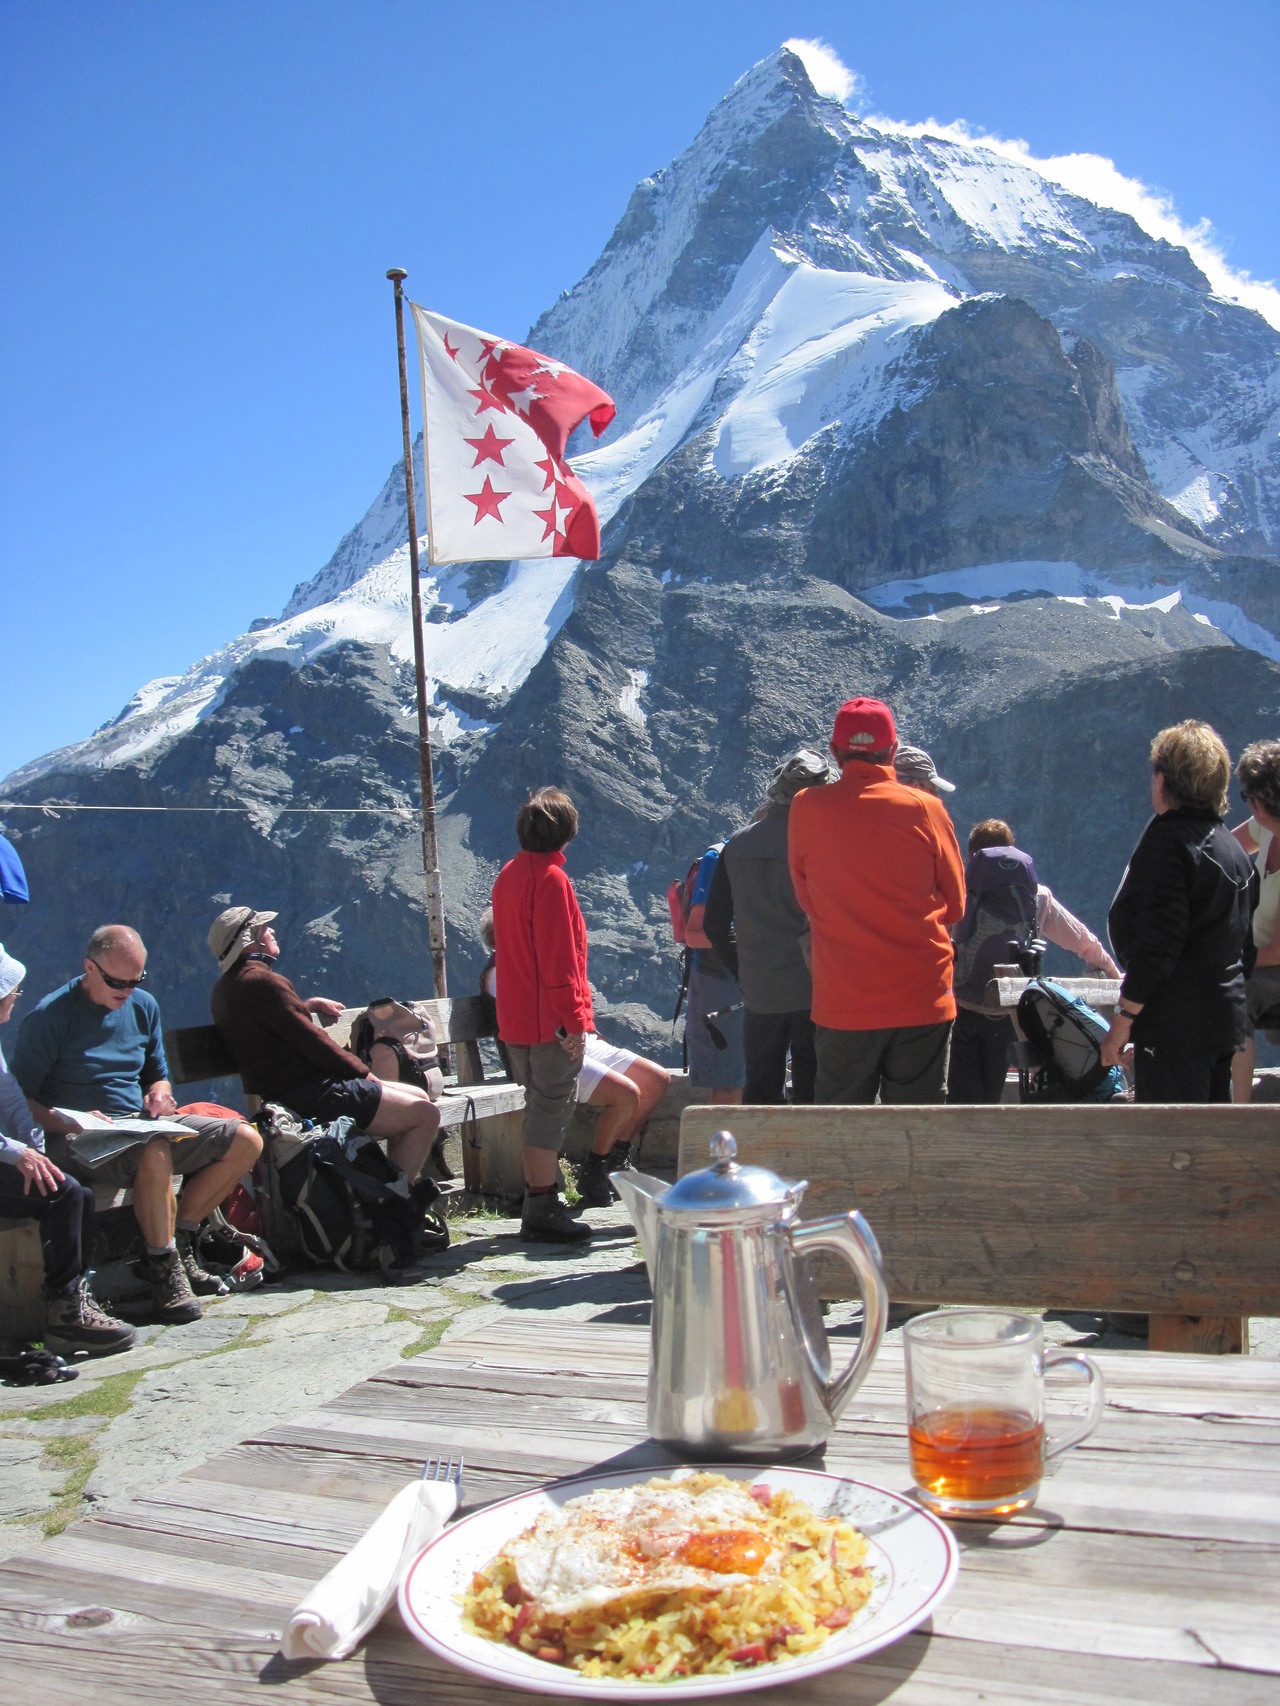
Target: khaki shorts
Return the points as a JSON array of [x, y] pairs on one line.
[[209, 1141]]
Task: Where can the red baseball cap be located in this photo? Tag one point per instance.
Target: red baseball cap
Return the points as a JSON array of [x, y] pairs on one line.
[[865, 723]]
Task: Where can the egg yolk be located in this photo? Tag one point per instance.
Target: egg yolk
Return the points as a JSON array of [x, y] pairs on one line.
[[726, 1551]]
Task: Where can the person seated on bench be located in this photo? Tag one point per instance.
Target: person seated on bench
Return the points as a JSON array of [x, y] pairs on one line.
[[95, 1044], [62, 1207], [283, 1055], [626, 1086]]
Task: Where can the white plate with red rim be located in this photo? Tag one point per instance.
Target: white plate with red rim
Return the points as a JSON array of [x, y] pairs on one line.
[[913, 1560]]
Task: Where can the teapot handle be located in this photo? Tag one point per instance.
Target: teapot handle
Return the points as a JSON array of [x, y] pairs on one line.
[[849, 1236]]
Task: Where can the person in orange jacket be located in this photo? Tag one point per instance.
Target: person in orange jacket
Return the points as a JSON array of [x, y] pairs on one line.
[[877, 869]]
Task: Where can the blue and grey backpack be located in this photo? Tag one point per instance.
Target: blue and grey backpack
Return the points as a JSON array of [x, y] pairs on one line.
[[1062, 1051]]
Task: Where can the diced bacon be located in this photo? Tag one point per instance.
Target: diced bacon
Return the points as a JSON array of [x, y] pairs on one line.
[[523, 1617], [752, 1654], [552, 1655], [838, 1618], [761, 1494], [514, 1594]]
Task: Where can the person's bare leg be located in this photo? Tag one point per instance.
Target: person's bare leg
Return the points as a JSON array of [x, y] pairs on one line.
[[653, 1082], [618, 1099], [203, 1191], [409, 1120], [153, 1204], [541, 1168], [1242, 1064], [725, 1098]]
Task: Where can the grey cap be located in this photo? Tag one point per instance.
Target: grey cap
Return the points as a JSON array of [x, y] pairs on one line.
[[231, 933], [804, 769], [914, 768], [12, 973]]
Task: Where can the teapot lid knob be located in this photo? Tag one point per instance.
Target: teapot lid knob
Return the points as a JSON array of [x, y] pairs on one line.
[[723, 1149]]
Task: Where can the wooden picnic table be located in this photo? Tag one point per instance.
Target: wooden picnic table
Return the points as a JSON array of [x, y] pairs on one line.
[[1150, 1572]]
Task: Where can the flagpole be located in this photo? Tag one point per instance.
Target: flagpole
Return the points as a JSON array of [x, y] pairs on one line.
[[430, 852]]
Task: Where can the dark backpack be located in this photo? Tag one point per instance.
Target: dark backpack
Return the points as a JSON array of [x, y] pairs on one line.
[[1062, 1051], [999, 923], [345, 1203]]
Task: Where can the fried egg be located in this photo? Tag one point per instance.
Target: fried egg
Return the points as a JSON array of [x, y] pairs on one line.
[[649, 1539]]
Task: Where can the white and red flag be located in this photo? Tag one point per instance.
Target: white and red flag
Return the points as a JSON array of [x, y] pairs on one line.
[[496, 419]]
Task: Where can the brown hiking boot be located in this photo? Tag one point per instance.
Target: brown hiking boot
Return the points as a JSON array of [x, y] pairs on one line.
[[592, 1179], [547, 1221], [203, 1283], [74, 1321], [171, 1293]]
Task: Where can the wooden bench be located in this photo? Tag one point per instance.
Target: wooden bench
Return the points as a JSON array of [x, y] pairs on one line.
[[1173, 1212], [486, 1111]]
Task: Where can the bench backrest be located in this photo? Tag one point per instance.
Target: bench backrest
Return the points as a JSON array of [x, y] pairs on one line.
[[1164, 1210], [197, 1052]]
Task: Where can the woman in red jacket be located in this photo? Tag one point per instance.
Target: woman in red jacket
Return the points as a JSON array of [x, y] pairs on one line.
[[544, 1002]]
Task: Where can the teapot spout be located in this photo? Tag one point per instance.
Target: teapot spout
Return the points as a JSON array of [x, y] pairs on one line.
[[641, 1194]]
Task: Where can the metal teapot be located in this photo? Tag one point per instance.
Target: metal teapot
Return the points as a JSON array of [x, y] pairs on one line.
[[739, 1364]]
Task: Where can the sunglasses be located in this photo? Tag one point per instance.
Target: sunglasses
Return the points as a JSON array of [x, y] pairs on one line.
[[119, 982]]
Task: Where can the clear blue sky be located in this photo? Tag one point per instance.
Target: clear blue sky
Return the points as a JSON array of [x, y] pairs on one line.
[[197, 373]]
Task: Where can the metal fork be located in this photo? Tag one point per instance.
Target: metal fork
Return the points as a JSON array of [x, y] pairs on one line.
[[445, 1469]]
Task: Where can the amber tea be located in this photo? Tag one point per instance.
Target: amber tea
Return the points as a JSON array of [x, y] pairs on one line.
[[975, 1409], [977, 1453]]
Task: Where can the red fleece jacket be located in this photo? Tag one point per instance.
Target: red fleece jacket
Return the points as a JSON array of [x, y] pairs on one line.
[[541, 944]]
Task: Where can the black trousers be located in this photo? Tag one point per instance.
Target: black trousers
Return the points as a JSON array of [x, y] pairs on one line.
[[1167, 1072], [766, 1040], [980, 1048], [904, 1064], [65, 1219]]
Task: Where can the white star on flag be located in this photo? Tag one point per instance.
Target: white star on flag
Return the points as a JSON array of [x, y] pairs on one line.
[[498, 485]]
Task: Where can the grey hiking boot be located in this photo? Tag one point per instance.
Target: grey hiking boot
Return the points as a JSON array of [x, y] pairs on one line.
[[171, 1293], [592, 1179], [202, 1282], [547, 1221], [74, 1321]]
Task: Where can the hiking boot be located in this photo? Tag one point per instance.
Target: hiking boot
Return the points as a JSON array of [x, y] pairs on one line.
[[592, 1180], [171, 1293], [547, 1221], [619, 1156], [202, 1282], [74, 1321]]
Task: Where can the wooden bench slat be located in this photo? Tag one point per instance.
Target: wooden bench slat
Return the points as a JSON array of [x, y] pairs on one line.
[[1162, 1210]]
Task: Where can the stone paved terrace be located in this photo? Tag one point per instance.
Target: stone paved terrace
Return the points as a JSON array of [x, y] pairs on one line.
[[132, 1422]]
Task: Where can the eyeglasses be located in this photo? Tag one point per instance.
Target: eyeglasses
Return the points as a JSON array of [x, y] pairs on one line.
[[119, 982]]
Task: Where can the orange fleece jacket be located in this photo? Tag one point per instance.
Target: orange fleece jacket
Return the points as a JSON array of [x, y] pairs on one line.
[[877, 868]]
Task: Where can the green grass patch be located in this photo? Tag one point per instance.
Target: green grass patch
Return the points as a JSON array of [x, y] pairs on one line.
[[110, 1397], [76, 1454], [427, 1340]]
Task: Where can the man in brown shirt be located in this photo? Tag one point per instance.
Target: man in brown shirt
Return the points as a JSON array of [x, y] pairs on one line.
[[283, 1055]]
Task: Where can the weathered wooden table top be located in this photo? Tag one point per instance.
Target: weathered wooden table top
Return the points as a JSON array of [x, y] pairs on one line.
[[1151, 1571]]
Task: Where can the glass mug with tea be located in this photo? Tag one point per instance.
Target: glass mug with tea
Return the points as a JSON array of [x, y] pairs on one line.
[[975, 1409]]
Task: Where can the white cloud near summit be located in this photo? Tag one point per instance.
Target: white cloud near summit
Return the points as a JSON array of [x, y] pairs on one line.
[[1092, 176], [1099, 180], [828, 73]]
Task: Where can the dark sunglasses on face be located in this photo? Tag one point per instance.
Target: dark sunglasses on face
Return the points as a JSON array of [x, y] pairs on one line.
[[119, 982]]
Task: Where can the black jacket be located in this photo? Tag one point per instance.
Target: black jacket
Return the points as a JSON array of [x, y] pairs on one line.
[[755, 921], [1181, 926]]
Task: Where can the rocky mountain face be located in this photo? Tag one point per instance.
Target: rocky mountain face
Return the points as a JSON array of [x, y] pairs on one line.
[[896, 416]]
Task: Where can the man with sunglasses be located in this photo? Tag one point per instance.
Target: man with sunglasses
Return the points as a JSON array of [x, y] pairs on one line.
[[95, 1045]]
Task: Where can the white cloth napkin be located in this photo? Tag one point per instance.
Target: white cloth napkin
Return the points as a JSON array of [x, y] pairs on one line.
[[340, 1610]]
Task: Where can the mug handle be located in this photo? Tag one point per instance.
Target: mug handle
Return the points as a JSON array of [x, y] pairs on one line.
[[849, 1237], [1057, 1357]]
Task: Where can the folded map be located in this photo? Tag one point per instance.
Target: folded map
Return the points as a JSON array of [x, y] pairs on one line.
[[100, 1140]]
